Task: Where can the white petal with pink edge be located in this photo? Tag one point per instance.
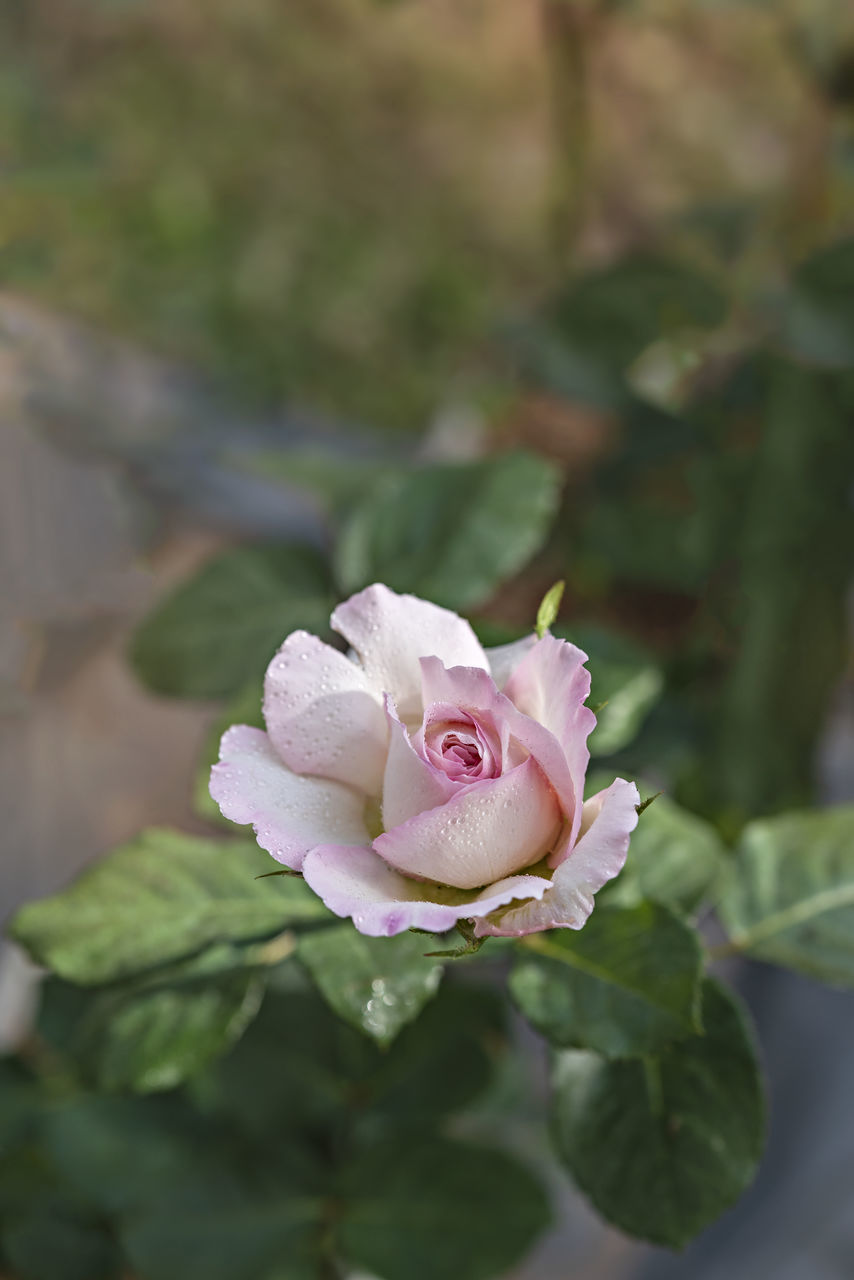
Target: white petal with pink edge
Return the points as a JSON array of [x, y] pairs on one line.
[[504, 658], [356, 882], [551, 684], [290, 813], [597, 857], [390, 632], [323, 716], [486, 832]]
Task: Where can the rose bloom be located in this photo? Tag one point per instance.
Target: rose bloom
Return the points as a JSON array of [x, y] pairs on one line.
[[420, 779]]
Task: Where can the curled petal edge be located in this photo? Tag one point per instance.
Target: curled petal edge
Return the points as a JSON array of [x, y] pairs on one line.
[[355, 882]]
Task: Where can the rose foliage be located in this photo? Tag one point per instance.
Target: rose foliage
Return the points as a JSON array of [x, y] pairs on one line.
[[420, 780]]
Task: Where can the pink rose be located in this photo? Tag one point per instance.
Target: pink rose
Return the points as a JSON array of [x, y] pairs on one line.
[[421, 780]]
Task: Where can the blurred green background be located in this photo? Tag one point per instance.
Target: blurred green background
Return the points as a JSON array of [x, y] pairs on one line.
[[279, 272]]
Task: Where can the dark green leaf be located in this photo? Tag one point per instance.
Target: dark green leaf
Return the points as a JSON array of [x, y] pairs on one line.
[[626, 984], [795, 558], [151, 1040], [451, 533], [223, 1229], [439, 1209], [299, 1066], [220, 629], [377, 984], [159, 898], [51, 1242], [663, 1145], [121, 1153], [789, 897], [590, 334], [674, 857], [818, 315]]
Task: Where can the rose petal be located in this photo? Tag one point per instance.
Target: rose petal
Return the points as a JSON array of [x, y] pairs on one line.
[[411, 785], [597, 858], [391, 632], [323, 716], [486, 832], [356, 882], [504, 658], [474, 690], [551, 684], [290, 813]]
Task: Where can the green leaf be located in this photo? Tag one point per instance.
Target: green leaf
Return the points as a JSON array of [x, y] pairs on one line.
[[336, 480], [222, 627], [122, 1153], [795, 560], [789, 897], [52, 1242], [674, 857], [161, 897], [624, 985], [376, 984], [243, 708], [440, 1209], [451, 533], [818, 315], [222, 1229], [623, 678], [663, 1145], [151, 1040], [548, 610], [300, 1067]]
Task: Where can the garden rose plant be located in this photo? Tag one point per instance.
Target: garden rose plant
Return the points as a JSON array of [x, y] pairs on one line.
[[420, 780]]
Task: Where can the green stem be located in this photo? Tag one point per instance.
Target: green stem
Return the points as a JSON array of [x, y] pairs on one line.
[[566, 37]]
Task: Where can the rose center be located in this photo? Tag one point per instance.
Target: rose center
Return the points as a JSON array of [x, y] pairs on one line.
[[456, 748]]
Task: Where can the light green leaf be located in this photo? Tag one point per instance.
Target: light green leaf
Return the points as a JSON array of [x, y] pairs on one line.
[[377, 984], [789, 897], [549, 605], [626, 984], [438, 1209], [674, 857], [662, 1145], [161, 897], [451, 533], [219, 630]]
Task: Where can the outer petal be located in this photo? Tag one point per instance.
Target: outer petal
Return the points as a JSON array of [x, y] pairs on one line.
[[472, 689], [391, 632], [597, 858], [323, 716], [411, 784], [484, 833], [357, 882], [551, 684], [291, 814], [504, 658]]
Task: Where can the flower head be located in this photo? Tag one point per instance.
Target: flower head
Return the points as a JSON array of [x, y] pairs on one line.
[[420, 779]]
